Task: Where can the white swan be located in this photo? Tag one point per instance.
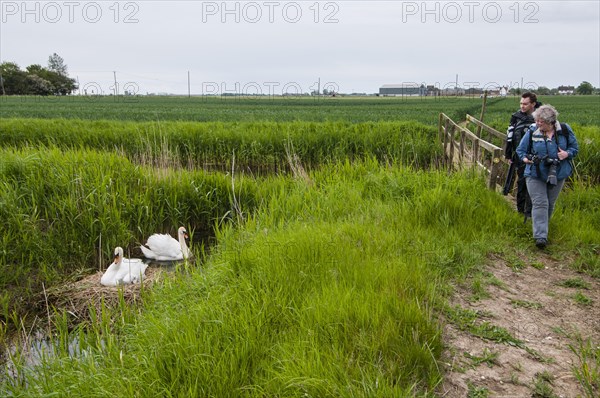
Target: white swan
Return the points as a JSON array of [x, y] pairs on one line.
[[123, 270], [163, 247]]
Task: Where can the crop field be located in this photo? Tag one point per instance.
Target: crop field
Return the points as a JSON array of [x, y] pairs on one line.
[[327, 239], [582, 110]]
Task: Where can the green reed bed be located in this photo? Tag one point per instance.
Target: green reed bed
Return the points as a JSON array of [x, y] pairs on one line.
[[267, 146], [64, 212], [327, 290], [255, 145], [587, 162]]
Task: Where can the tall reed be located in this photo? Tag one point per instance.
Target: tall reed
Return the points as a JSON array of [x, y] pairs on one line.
[[257, 145], [63, 212]]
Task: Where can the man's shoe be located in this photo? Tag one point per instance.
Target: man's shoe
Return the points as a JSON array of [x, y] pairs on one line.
[[541, 243]]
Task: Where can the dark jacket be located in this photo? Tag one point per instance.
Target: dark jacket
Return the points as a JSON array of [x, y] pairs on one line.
[[519, 122]]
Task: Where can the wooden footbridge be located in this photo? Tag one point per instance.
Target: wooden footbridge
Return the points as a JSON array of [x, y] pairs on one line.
[[474, 144]]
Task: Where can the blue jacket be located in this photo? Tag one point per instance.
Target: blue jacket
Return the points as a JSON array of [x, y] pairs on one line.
[[541, 147]]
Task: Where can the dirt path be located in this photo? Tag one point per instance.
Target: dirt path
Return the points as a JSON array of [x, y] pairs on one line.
[[544, 307]]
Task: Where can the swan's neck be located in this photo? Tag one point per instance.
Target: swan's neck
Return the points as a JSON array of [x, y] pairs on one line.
[[118, 261], [184, 249]]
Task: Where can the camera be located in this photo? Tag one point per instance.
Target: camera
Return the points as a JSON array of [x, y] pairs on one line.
[[548, 161], [535, 159], [552, 168]]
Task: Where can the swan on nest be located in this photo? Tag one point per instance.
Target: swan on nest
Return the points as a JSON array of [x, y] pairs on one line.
[[163, 247], [123, 270]]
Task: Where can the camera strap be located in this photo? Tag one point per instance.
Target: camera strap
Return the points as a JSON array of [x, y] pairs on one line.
[[537, 168]]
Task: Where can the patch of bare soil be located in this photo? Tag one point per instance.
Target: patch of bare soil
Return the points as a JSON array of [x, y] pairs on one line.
[[537, 307]]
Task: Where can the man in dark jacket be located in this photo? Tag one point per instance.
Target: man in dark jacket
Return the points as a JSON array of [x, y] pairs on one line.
[[519, 122]]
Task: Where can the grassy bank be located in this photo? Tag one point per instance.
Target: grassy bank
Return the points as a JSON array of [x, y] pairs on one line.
[[326, 282], [328, 289]]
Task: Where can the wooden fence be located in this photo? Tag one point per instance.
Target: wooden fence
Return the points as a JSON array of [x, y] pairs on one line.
[[463, 147]]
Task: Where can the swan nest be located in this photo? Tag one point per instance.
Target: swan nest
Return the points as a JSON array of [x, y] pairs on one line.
[[78, 297]]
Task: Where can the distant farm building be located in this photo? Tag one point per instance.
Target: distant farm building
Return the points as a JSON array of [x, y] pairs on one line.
[[415, 90], [474, 91], [566, 90], [396, 90], [452, 91], [433, 91]]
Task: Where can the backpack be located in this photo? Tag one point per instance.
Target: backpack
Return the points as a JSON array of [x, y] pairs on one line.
[[519, 124], [519, 128]]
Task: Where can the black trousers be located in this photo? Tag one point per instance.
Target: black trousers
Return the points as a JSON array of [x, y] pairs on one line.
[[523, 199]]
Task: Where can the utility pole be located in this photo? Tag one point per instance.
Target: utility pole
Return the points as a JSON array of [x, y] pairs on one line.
[[116, 87], [189, 92]]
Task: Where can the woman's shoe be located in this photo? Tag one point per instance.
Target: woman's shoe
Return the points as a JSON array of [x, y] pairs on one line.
[[541, 243]]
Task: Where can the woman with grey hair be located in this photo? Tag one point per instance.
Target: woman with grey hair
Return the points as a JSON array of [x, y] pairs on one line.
[[547, 149]]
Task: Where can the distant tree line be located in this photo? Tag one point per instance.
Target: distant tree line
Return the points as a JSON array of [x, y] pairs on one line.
[[35, 79], [585, 88]]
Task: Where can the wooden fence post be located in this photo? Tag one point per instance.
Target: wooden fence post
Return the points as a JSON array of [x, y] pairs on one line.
[[461, 148], [440, 130], [452, 145], [482, 113], [495, 168], [446, 140]]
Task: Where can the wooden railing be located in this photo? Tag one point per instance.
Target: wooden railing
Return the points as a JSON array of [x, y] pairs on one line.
[[462, 147]]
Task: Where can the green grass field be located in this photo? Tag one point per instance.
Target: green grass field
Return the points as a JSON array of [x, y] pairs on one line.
[[582, 110], [322, 281]]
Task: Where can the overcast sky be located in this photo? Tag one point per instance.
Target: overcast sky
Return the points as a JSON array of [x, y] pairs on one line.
[[271, 47]]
